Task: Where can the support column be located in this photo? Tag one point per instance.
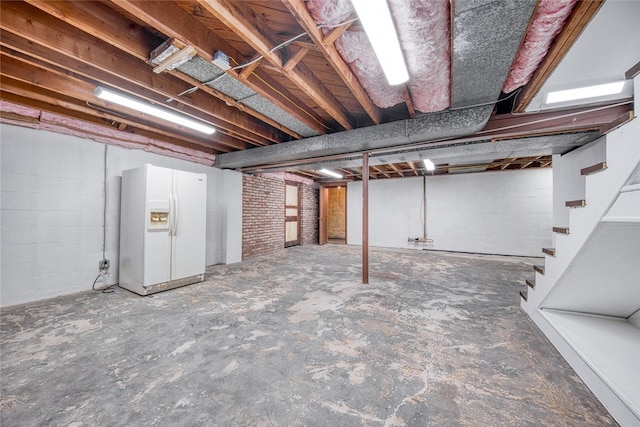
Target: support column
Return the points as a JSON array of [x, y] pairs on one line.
[[365, 218]]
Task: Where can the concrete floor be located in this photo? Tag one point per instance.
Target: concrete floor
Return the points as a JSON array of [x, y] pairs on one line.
[[294, 339]]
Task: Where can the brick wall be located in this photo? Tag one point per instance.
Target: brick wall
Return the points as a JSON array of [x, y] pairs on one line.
[[263, 214], [309, 215]]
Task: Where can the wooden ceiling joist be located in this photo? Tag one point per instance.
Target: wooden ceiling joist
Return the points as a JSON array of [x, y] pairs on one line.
[[241, 19], [219, 137], [413, 168], [580, 16], [45, 100], [299, 10], [98, 20], [335, 32], [378, 170], [112, 64], [396, 169], [408, 101], [172, 21]]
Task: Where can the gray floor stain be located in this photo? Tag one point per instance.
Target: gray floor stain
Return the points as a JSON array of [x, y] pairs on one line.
[[295, 339]]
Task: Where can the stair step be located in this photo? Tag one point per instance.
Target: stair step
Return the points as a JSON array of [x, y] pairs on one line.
[[530, 284], [539, 268], [523, 295], [593, 169], [561, 230], [576, 203], [549, 251]]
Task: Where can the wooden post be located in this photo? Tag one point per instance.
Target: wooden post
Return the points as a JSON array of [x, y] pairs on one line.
[[365, 218]]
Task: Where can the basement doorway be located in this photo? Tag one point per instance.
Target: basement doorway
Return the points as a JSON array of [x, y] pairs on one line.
[[291, 214], [333, 215]]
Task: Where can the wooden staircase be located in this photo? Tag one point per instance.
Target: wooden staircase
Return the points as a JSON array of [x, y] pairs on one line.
[[583, 297], [580, 203]]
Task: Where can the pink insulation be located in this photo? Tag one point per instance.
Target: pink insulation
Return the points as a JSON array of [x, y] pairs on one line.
[[69, 126], [423, 30], [21, 110], [547, 23]]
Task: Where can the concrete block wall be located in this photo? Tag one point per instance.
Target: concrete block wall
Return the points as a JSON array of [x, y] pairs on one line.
[[263, 214], [51, 211], [506, 212]]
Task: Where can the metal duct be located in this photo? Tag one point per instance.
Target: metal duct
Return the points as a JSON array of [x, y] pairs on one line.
[[486, 35]]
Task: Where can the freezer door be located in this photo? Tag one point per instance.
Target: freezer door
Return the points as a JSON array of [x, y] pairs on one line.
[[189, 225], [157, 242]]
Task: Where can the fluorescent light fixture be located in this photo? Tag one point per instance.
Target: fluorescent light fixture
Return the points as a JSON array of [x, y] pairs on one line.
[[332, 174], [152, 110], [585, 92], [376, 19], [429, 165]]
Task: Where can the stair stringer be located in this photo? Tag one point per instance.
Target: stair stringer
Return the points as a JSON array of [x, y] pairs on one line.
[[602, 189], [622, 412]]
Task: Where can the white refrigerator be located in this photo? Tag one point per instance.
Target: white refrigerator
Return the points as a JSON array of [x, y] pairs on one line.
[[162, 229]]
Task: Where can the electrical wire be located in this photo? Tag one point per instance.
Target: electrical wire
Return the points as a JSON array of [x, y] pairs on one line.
[[106, 290], [238, 67], [515, 92], [337, 25], [104, 211], [105, 187], [260, 57]]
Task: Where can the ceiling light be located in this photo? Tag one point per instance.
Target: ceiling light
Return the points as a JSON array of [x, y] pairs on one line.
[[375, 18], [152, 110], [429, 165], [330, 173], [585, 92]]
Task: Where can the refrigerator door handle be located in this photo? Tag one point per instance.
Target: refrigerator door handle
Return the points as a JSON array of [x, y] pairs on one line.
[[175, 209], [171, 215]]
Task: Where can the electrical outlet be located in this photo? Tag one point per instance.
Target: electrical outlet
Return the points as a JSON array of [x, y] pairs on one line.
[[103, 264]]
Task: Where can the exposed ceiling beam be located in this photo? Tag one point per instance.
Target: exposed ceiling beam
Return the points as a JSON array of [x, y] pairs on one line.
[[36, 55], [334, 33], [508, 139], [295, 59], [41, 99], [172, 21], [431, 127], [325, 43], [114, 65], [241, 19], [580, 16], [412, 165], [396, 169], [72, 88], [526, 163], [592, 117], [88, 128], [380, 171], [505, 164], [101, 21], [408, 101]]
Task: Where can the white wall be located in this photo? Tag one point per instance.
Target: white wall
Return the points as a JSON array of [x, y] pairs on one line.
[[505, 212], [569, 184], [52, 211]]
